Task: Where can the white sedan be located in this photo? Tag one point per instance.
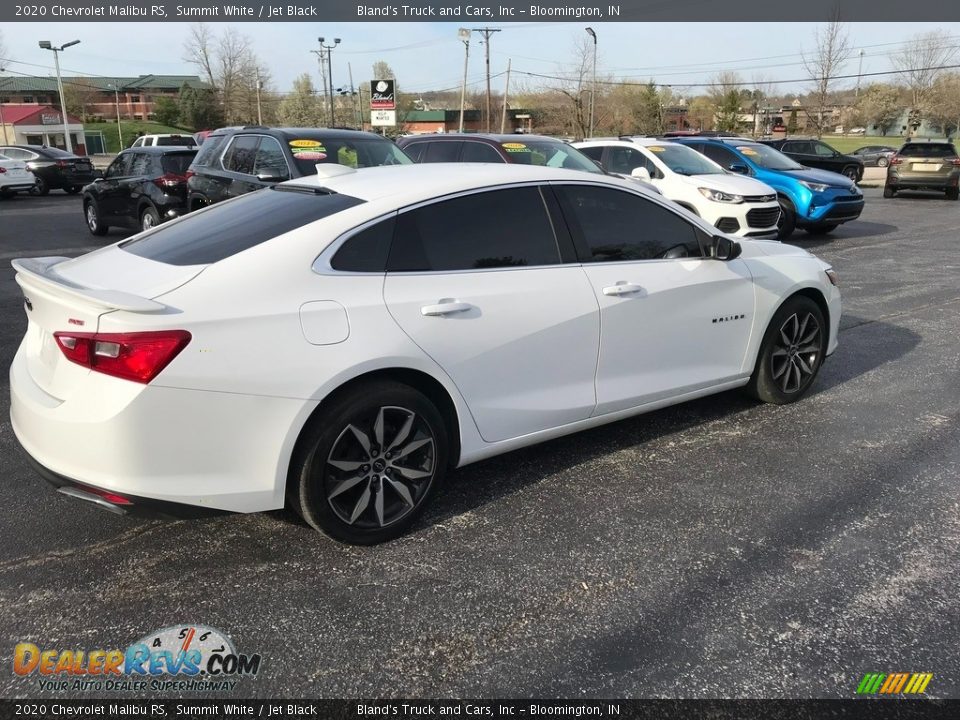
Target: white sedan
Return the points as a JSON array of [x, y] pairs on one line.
[[338, 343], [734, 204], [14, 177]]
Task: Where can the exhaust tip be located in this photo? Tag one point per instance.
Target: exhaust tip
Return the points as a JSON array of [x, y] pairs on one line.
[[92, 498]]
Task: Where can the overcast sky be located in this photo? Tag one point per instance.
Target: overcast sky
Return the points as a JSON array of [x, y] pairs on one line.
[[428, 56]]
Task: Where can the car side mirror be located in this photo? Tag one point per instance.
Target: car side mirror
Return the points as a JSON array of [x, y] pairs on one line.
[[723, 248], [740, 169], [272, 175], [640, 173]]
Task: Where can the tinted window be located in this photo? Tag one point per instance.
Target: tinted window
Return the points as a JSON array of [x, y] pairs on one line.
[[176, 163], [594, 153], [722, 156], [502, 228], [415, 150], [367, 250], [119, 167], [231, 227], [551, 153], [623, 160], [798, 147], [18, 154], [479, 152], [141, 165], [270, 158], [176, 140], [441, 151], [241, 154], [208, 153], [618, 225], [823, 150], [928, 150]]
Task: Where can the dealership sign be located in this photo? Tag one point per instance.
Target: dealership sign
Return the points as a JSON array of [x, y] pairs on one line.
[[50, 119], [382, 95]]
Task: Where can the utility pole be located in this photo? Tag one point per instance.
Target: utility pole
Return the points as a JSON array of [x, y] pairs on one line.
[[322, 68], [464, 35], [116, 97], [259, 88], [593, 86], [329, 49], [506, 93], [45, 45], [859, 74], [356, 98], [487, 32]]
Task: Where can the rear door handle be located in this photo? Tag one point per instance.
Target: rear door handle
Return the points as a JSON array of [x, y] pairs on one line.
[[622, 288], [445, 307]]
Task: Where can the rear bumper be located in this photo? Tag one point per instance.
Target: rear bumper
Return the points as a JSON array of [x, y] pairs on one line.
[[920, 182], [18, 186], [153, 444]]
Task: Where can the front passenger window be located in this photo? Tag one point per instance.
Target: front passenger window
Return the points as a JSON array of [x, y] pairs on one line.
[[616, 225]]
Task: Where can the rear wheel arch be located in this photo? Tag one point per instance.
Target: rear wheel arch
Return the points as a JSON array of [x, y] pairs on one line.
[[418, 380]]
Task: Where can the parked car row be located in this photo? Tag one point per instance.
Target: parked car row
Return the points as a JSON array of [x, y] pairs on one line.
[[51, 169]]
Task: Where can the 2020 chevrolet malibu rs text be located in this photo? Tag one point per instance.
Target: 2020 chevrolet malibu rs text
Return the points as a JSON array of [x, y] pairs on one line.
[[338, 343]]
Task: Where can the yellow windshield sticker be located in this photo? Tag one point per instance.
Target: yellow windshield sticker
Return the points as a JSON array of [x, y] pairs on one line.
[[748, 151], [515, 147], [656, 148], [305, 143]]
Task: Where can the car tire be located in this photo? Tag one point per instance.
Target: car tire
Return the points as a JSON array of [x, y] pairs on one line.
[[791, 352], [822, 228], [953, 193], [6, 194], [91, 213], [149, 218], [40, 187], [882, 162], [73, 189], [851, 172], [888, 191], [360, 485], [787, 221]]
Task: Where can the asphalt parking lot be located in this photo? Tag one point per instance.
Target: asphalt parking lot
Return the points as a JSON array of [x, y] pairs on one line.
[[720, 548]]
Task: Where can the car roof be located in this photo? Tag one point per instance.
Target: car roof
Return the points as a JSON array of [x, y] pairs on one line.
[[488, 137], [410, 184], [162, 149], [306, 133]]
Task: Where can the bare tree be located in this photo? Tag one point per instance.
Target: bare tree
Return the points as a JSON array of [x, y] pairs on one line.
[[831, 52], [229, 64], [920, 61], [576, 86], [198, 50], [724, 94]]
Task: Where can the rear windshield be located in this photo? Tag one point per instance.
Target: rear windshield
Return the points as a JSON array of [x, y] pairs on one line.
[[231, 227], [928, 150], [359, 152], [177, 140], [177, 163], [548, 153]]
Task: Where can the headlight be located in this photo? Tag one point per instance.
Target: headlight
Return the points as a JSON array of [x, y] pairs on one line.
[[720, 196], [833, 277], [814, 187]]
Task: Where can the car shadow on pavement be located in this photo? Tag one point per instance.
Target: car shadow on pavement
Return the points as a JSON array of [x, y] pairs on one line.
[[864, 346], [849, 231]]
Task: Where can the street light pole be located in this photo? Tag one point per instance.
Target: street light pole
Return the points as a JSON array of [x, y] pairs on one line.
[[487, 32], [329, 49], [593, 86], [45, 45], [2, 123], [259, 88], [464, 35]]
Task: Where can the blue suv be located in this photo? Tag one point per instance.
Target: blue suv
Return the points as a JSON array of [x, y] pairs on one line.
[[815, 200]]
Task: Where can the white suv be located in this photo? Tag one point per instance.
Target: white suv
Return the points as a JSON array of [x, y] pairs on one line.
[[186, 140], [732, 203]]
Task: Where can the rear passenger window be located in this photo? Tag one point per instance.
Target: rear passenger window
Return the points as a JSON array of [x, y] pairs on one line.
[[270, 158], [415, 150], [442, 151], [479, 152], [497, 229], [209, 151], [367, 250], [620, 226], [141, 165], [241, 154]]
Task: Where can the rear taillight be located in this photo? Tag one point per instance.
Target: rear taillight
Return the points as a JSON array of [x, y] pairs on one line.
[[62, 164], [170, 180], [896, 160], [132, 356], [2, 170], [955, 161]]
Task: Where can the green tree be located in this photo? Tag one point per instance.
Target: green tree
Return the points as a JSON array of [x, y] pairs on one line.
[[792, 122], [166, 111], [942, 106], [881, 106], [200, 109], [300, 108]]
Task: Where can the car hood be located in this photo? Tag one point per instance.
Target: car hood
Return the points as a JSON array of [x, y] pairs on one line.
[[758, 248], [736, 184], [820, 176]]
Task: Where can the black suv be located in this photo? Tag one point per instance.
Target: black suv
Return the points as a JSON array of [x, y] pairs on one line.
[[817, 154], [143, 187], [53, 168], [234, 161]]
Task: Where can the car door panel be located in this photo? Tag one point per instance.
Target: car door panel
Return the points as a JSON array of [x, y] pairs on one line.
[[517, 335], [669, 323]]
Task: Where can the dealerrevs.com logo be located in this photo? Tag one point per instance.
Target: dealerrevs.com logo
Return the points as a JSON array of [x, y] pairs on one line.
[[173, 659]]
